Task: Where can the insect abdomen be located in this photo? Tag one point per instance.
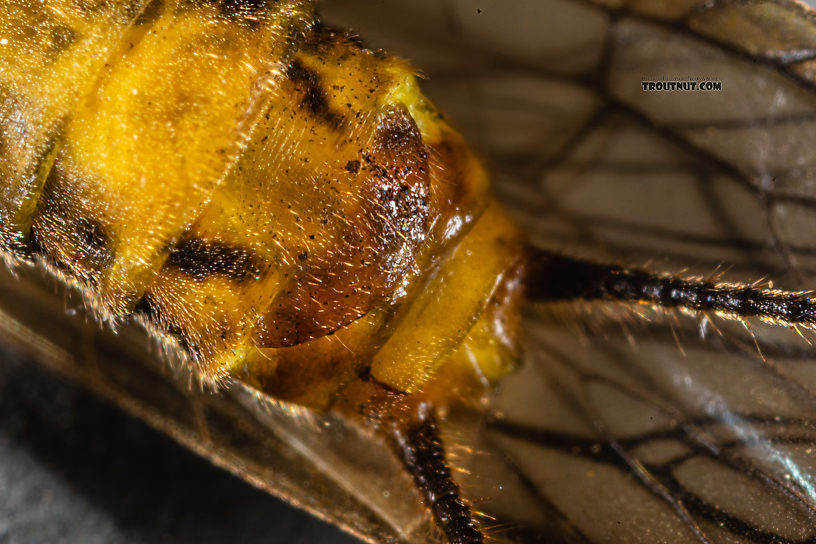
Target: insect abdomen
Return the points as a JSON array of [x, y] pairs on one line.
[[264, 191]]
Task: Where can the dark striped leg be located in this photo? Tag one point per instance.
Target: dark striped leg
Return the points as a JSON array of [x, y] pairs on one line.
[[421, 451], [553, 277]]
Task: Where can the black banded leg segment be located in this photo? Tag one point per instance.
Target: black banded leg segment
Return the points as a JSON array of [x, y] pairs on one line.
[[552, 277], [421, 451]]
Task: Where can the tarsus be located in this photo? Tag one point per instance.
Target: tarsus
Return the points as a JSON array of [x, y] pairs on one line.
[[422, 453], [554, 277]]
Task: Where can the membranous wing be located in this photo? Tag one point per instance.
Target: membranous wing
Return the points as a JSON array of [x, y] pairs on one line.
[[633, 424], [319, 462], [624, 424]]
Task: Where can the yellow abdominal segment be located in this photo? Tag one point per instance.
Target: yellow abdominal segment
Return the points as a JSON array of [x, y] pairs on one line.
[[49, 56], [279, 202]]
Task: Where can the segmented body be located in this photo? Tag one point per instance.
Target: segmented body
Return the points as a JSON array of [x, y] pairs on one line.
[[270, 198]]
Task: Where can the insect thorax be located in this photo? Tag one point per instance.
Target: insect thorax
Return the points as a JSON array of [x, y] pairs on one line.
[[280, 202]]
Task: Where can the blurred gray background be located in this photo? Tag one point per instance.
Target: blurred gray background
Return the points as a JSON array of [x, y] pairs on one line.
[[75, 470]]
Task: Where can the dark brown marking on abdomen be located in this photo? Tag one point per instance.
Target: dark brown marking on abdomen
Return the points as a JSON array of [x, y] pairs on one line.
[[314, 98], [147, 309], [92, 237], [62, 36], [151, 13], [67, 236], [200, 259]]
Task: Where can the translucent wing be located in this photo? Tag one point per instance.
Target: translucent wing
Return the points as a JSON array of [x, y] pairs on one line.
[[623, 424], [631, 425], [72, 471]]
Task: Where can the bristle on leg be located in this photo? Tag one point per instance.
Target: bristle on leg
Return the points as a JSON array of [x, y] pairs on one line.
[[554, 277], [421, 451]]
